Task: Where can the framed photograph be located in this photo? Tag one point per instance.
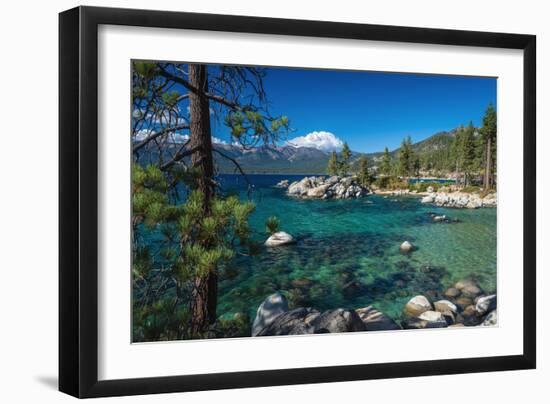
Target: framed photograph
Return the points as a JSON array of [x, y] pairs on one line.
[[251, 202]]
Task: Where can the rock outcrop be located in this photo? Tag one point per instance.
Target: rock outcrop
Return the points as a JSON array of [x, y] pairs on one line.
[[327, 188], [406, 247], [465, 305], [305, 320], [293, 322], [491, 319], [486, 304], [375, 320], [282, 184], [279, 238], [460, 200], [337, 320], [271, 307]]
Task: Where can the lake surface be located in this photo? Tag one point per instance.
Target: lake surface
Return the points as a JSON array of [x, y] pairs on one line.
[[347, 251]]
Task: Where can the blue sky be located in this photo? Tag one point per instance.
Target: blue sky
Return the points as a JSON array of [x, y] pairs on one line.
[[371, 110]]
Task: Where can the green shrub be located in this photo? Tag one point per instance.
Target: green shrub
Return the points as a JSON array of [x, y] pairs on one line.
[[423, 186], [272, 225]]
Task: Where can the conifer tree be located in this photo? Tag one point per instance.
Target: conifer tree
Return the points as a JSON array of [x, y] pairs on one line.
[[171, 129], [468, 151], [406, 157], [489, 137], [344, 163], [363, 174], [385, 166], [333, 164]]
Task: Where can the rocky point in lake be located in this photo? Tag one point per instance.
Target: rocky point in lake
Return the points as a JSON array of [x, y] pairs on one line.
[[347, 187]]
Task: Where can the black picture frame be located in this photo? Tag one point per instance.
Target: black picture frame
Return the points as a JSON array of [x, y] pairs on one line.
[[78, 201]]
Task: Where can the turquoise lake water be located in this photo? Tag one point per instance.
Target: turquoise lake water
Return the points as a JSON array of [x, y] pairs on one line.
[[347, 251]]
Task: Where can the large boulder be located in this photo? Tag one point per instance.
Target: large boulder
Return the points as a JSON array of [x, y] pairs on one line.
[[486, 304], [293, 322], [338, 320], [469, 288], [445, 306], [406, 247], [491, 319], [299, 188], [273, 306], [375, 320], [282, 184], [452, 293], [417, 305], [463, 301], [434, 318], [279, 238], [318, 192], [419, 323], [428, 199]]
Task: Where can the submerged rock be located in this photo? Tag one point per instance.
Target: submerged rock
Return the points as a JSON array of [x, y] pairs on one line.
[[271, 307], [417, 305], [375, 320], [452, 293], [279, 238], [469, 288]]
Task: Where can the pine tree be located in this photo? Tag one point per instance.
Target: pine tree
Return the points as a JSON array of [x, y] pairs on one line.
[[363, 174], [385, 166], [172, 99], [468, 151], [489, 137], [456, 151], [416, 167], [406, 157], [344, 163], [333, 164], [197, 244]]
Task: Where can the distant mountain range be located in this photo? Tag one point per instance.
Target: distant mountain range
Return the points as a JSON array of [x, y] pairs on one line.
[[309, 160], [291, 159]]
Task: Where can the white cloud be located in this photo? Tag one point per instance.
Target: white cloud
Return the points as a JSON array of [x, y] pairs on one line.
[[321, 140], [178, 138], [171, 137]]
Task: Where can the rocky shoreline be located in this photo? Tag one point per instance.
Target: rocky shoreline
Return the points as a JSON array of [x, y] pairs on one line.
[[464, 304], [348, 187], [460, 200]]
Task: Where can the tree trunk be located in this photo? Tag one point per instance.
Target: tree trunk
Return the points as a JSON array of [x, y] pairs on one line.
[[205, 289], [488, 164]]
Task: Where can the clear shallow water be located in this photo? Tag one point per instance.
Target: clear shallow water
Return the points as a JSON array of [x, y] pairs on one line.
[[347, 251]]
